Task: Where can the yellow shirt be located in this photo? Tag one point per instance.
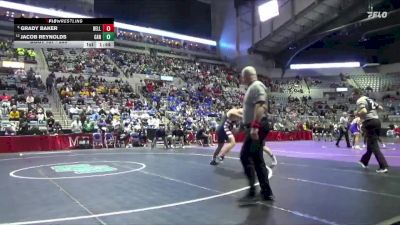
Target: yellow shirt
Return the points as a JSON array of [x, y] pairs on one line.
[[14, 115], [84, 93]]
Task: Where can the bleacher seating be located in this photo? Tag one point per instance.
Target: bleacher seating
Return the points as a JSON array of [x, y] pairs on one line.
[[373, 82], [92, 61]]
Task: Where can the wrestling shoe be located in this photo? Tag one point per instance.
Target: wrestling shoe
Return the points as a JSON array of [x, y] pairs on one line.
[[382, 170], [213, 162], [249, 198], [362, 165], [220, 159], [265, 197]]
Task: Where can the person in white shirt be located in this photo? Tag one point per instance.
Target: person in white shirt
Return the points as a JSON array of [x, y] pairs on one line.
[[156, 123], [89, 109], [10, 129], [76, 126], [114, 111], [344, 130], [73, 111], [115, 123], [30, 100], [40, 117]]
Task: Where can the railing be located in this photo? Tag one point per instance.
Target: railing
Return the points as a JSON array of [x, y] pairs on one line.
[[394, 118], [59, 106]]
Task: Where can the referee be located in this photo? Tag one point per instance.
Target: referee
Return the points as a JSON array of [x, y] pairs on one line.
[[256, 125], [367, 110]]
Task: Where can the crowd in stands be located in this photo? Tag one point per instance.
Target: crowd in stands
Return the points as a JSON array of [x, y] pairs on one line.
[[25, 105], [188, 70], [88, 61], [9, 53], [289, 86], [208, 86], [194, 107]]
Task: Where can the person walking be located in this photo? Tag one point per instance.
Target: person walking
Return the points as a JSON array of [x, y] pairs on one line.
[[256, 127], [344, 130], [367, 111]]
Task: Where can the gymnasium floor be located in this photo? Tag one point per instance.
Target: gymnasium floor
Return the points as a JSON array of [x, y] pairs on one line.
[[157, 187]]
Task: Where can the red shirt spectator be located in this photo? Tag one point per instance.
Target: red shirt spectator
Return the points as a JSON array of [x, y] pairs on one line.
[[300, 126], [150, 87], [5, 97], [397, 131], [129, 104]]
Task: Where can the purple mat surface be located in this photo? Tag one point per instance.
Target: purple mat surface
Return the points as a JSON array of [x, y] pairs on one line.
[[328, 151]]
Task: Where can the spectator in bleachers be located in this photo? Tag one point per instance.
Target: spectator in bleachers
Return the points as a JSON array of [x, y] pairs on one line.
[[50, 124], [76, 126], [40, 117], [30, 100], [88, 126], [10, 129], [14, 114], [5, 97], [57, 127], [45, 100], [74, 110], [31, 116], [49, 83]]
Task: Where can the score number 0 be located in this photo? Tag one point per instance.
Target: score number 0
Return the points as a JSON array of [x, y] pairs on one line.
[[108, 27]]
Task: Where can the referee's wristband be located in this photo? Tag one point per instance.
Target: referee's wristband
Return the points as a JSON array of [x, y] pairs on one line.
[[255, 124]]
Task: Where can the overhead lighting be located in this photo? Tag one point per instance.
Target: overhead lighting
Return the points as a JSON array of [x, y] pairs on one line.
[[268, 10], [370, 65], [163, 33], [325, 65], [55, 13]]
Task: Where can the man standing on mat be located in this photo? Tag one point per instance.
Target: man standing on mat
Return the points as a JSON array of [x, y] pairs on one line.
[[367, 110], [256, 128], [344, 130]]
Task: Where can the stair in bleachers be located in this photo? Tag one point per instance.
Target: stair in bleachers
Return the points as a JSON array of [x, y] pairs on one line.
[[43, 70]]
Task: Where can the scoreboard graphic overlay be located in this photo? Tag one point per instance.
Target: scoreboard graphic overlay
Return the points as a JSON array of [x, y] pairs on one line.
[[64, 33]]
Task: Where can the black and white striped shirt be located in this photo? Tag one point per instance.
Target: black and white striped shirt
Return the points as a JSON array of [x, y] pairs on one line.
[[228, 125]]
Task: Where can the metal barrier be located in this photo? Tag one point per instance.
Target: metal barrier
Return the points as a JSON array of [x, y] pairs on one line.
[[60, 107]]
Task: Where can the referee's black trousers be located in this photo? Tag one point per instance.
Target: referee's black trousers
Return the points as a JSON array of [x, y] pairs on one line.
[[372, 130], [253, 161], [344, 132]]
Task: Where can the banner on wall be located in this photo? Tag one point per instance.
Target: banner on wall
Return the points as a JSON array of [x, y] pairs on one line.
[[10, 144]]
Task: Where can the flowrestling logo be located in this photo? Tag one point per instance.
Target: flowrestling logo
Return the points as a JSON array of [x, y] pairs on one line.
[[377, 14]]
